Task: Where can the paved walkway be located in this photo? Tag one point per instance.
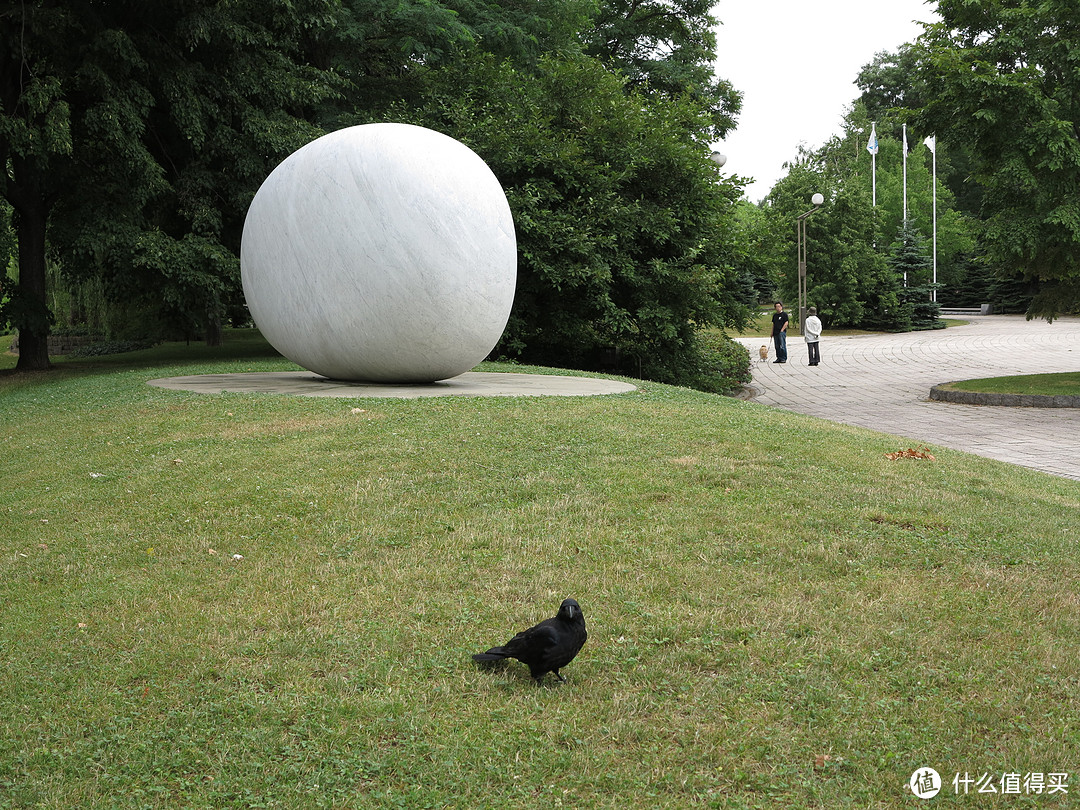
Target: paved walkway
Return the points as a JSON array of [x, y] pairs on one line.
[[883, 382]]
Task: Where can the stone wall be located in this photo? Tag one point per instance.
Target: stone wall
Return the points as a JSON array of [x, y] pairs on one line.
[[63, 344]]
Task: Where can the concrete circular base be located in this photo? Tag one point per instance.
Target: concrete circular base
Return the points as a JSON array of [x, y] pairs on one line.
[[470, 384]]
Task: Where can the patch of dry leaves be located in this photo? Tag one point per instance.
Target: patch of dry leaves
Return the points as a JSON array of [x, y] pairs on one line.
[[922, 452]]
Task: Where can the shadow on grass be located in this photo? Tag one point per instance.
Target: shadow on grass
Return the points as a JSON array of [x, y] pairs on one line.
[[514, 674], [238, 345]]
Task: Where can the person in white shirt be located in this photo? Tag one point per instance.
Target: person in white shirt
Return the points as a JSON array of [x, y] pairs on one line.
[[812, 334]]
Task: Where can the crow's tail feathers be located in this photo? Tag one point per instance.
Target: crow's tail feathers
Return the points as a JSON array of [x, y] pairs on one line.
[[494, 654]]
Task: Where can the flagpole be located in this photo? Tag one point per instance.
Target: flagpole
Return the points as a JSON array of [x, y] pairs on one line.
[[905, 172], [872, 148], [931, 144], [905, 189], [933, 152]]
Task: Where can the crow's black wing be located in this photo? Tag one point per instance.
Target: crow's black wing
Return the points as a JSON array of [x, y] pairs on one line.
[[526, 646], [571, 639], [531, 644]]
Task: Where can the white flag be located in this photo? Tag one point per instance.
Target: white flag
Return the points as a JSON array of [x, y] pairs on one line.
[[931, 143], [871, 146]]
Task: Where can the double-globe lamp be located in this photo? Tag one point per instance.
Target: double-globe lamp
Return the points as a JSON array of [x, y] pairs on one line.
[[800, 225], [817, 199]]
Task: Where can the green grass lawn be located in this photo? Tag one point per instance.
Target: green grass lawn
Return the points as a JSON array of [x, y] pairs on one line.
[[779, 615], [1064, 384], [762, 325]]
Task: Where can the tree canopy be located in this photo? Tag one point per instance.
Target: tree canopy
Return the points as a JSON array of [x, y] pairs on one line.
[[132, 134], [625, 233], [1002, 79], [136, 134], [667, 48], [852, 277]]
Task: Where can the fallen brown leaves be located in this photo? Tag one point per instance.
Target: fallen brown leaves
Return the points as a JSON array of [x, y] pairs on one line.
[[922, 452]]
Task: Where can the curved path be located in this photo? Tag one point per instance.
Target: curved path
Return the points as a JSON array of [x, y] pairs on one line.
[[883, 382]]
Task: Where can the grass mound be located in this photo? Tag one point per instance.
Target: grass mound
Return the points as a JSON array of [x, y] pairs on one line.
[[1064, 384], [779, 614]]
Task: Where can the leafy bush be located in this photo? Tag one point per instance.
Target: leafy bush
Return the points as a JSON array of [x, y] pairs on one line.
[[723, 364], [111, 347], [73, 331]]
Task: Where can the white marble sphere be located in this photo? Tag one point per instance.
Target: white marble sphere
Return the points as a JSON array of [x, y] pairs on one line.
[[382, 253]]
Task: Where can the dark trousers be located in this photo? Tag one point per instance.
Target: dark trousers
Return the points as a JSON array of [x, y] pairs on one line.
[[780, 343], [815, 355]]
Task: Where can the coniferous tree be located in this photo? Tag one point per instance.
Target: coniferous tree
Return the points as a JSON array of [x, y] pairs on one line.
[[911, 262]]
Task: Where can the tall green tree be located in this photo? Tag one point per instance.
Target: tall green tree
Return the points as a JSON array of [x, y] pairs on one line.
[[625, 229], [131, 133], [666, 48], [910, 260], [35, 135], [387, 50], [848, 277], [1002, 78], [889, 85]]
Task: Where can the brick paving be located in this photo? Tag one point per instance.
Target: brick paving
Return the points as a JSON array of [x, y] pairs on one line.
[[883, 382]]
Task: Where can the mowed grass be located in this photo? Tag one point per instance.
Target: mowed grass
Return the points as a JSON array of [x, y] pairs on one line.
[[761, 326], [779, 615], [1063, 384]]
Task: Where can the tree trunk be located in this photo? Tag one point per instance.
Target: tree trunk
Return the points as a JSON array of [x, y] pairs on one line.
[[214, 336], [34, 323]]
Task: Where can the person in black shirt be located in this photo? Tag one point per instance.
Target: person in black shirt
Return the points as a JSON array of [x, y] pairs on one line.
[[779, 332]]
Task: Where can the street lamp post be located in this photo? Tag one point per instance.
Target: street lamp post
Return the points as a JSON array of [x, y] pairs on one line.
[[800, 223]]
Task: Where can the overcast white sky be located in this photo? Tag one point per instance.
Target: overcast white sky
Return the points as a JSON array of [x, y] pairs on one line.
[[795, 62]]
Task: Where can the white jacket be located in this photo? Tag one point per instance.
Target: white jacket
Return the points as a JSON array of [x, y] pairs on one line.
[[812, 328]]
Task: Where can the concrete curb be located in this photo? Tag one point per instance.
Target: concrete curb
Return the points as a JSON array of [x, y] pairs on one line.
[[747, 393], [940, 394]]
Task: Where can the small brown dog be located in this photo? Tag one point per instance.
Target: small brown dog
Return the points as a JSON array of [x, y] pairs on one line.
[[763, 352]]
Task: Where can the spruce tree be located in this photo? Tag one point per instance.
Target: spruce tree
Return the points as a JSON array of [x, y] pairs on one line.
[[910, 260]]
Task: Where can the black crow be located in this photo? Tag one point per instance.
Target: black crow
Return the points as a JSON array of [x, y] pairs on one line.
[[548, 646]]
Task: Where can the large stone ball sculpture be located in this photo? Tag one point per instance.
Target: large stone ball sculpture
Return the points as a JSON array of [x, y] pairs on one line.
[[382, 253]]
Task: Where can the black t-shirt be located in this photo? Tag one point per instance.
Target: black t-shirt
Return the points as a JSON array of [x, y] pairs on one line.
[[778, 321]]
